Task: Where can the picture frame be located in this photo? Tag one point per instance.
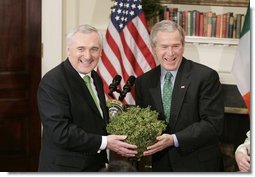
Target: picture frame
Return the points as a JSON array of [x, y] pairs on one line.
[[233, 3]]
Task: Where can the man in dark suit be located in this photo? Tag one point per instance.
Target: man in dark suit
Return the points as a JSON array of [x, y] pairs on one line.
[[194, 110], [74, 115]]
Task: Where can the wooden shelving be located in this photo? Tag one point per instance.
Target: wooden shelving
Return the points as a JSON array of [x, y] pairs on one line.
[[211, 41], [233, 3]]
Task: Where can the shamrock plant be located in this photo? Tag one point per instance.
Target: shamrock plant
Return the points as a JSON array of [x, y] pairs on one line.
[[139, 124]]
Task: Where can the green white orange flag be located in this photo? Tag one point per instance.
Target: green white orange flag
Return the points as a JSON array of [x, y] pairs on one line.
[[242, 62]]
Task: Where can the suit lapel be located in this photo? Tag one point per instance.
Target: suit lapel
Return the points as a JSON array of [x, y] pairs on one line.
[[156, 96], [100, 94], [155, 92], [181, 85], [76, 78], [90, 100]]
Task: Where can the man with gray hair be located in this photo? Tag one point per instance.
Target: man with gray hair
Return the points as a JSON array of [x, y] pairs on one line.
[[73, 110], [188, 96]]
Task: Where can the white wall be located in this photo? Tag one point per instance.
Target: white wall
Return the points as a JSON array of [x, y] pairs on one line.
[[218, 57], [60, 16], [77, 12], [51, 34]]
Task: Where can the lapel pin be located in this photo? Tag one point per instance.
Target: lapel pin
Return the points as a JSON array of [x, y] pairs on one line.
[[182, 86]]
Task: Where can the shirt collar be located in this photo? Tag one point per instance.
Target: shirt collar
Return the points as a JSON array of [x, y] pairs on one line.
[[164, 71], [82, 75]]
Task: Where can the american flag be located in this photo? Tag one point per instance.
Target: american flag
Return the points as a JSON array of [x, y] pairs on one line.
[[126, 47]]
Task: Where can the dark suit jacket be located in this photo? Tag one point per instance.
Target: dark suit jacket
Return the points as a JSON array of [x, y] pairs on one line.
[[72, 124], [197, 115]]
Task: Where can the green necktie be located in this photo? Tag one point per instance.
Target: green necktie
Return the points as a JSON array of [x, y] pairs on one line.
[[86, 78], [167, 95]]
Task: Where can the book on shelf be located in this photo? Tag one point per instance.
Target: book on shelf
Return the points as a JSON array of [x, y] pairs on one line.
[[219, 26], [224, 25], [205, 24], [201, 25], [214, 27]]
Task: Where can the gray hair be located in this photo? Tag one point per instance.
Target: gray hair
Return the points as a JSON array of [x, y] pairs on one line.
[[167, 26], [83, 29]]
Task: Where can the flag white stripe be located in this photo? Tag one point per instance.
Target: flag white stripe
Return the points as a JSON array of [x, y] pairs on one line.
[[241, 66], [143, 32], [112, 57], [107, 75], [132, 45], [115, 35], [141, 60]]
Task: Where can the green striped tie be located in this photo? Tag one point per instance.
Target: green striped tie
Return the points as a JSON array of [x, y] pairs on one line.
[[167, 95], [86, 78]]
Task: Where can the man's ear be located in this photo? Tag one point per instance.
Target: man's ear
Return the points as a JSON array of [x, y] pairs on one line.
[[153, 47], [67, 51], [100, 52]]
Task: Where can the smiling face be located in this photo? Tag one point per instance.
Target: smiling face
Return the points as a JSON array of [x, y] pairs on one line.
[[84, 51], [169, 49]]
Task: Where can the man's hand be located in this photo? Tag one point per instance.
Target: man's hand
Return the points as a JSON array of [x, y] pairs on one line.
[[163, 142], [115, 143], [243, 161]]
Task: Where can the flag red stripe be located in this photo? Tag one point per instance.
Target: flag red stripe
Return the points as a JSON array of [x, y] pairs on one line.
[[246, 99], [142, 46], [143, 20], [108, 65], [106, 89], [114, 47], [137, 69], [116, 50]]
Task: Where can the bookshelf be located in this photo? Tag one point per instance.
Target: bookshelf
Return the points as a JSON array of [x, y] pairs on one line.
[[229, 3], [232, 3], [205, 21], [215, 52], [197, 40]]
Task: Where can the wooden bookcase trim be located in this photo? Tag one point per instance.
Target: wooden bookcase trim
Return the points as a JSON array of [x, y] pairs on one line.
[[233, 3], [198, 40]]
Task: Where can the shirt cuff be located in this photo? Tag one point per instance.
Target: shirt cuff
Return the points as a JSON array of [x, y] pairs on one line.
[[176, 143], [103, 144]]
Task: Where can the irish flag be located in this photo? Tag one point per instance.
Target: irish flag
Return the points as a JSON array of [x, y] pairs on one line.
[[241, 65]]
